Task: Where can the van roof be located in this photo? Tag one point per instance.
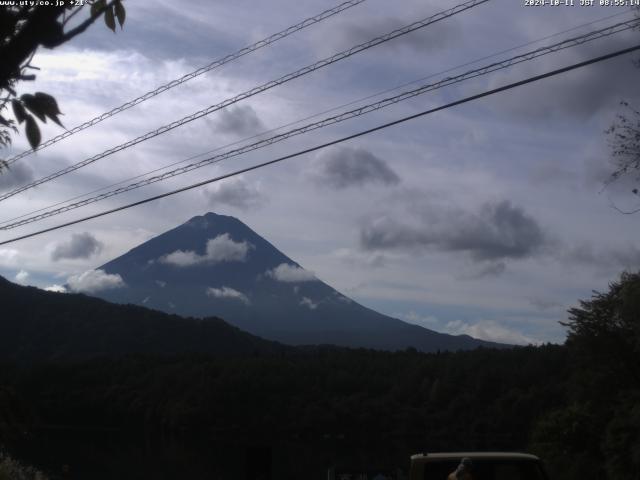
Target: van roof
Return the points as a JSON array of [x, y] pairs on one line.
[[477, 455]]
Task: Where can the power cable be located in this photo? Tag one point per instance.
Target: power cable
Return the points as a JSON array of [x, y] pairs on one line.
[[254, 91], [315, 115], [333, 142], [572, 42], [189, 76]]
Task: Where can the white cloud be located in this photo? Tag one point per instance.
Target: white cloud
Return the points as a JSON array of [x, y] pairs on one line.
[[8, 256], [290, 273], [56, 288], [489, 330], [161, 284], [22, 276], [227, 292], [93, 281], [219, 249], [307, 302]]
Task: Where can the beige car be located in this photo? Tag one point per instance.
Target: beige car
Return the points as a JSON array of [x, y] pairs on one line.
[[476, 466]]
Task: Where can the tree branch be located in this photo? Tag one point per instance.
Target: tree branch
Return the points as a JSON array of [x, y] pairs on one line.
[[84, 25]]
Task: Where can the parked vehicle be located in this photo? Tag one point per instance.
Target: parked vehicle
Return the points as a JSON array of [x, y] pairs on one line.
[[476, 466]]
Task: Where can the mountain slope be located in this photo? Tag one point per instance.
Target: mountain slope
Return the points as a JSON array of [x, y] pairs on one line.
[[36, 325], [216, 265]]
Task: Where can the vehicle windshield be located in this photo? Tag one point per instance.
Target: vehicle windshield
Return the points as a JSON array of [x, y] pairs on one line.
[[487, 469]]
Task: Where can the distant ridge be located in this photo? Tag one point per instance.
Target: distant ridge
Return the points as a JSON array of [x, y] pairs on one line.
[[215, 265], [36, 325]]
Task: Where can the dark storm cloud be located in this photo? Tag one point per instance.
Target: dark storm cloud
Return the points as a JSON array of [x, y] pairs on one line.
[[345, 167], [435, 37], [581, 93], [239, 120], [497, 231], [15, 176], [235, 193], [81, 245]]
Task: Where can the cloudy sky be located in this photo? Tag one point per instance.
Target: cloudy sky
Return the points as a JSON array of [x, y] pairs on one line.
[[488, 219]]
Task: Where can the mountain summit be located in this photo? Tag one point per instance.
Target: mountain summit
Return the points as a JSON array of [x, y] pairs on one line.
[[214, 265]]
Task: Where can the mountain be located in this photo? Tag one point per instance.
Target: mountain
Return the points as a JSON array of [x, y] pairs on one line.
[[36, 325], [214, 265]]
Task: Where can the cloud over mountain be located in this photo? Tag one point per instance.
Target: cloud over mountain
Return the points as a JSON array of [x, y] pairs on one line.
[[219, 249], [93, 281], [290, 274], [227, 292]]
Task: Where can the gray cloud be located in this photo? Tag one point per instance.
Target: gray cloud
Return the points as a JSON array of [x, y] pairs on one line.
[[81, 245], [239, 120], [15, 176], [497, 231], [485, 269], [616, 258], [545, 304], [345, 167], [236, 193], [435, 37], [581, 93]]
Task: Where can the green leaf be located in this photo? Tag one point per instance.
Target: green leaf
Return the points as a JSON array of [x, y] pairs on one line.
[[109, 19], [33, 132], [121, 14], [4, 121], [18, 110], [33, 106]]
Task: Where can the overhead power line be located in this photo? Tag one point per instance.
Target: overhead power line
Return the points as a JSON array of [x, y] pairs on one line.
[[315, 115], [254, 91], [493, 67], [196, 73], [333, 142]]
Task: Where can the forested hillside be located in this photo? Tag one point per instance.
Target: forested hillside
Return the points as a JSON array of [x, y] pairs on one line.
[[575, 405], [45, 326]]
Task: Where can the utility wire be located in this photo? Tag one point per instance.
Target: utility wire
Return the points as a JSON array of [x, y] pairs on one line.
[[572, 42], [254, 91], [189, 76], [333, 142], [315, 115]]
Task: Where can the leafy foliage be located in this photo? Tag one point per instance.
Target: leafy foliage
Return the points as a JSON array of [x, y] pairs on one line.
[[11, 469], [576, 405], [624, 140], [598, 434]]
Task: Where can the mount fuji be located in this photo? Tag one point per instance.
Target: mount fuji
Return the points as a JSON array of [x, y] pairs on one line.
[[215, 265]]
